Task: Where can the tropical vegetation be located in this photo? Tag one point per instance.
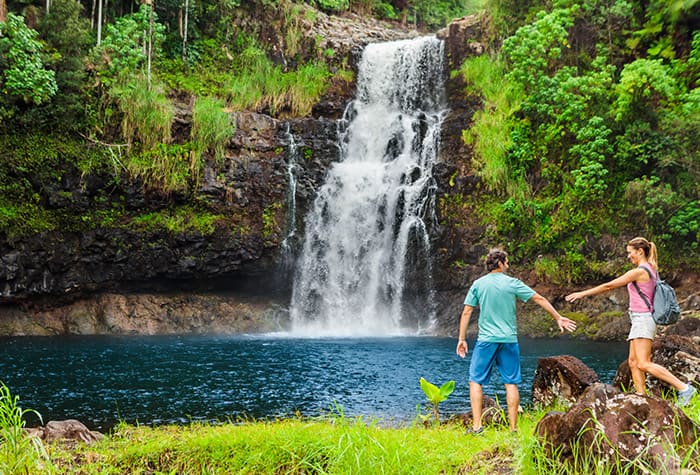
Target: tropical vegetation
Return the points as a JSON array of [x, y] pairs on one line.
[[589, 127]]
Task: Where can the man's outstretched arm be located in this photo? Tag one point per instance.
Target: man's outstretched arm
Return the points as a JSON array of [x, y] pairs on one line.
[[563, 322]]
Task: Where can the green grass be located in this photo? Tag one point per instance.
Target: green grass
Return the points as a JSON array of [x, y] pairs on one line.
[[490, 134], [19, 453], [332, 445], [211, 127]]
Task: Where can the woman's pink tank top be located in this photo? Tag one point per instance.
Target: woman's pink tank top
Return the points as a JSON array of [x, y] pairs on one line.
[[637, 304]]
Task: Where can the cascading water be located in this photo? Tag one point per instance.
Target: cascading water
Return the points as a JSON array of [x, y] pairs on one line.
[[291, 218], [368, 229]]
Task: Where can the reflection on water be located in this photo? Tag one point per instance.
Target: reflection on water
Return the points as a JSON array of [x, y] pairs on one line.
[[177, 379]]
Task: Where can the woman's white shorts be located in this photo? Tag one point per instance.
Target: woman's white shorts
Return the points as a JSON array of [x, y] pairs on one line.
[[643, 326]]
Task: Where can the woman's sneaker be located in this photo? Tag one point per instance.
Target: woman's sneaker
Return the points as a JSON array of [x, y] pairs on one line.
[[686, 395]]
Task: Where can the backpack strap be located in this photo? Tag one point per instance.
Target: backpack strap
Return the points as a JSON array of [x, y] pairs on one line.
[[644, 297]]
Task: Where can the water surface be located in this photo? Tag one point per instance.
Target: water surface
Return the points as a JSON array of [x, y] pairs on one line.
[[177, 379]]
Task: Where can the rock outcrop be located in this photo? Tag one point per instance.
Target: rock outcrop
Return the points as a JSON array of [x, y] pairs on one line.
[[626, 432], [148, 314], [561, 378], [65, 431]]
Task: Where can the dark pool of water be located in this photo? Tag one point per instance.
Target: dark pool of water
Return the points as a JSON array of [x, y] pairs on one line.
[[177, 379]]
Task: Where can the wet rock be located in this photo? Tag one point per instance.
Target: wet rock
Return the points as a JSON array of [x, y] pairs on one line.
[[609, 427], [561, 378]]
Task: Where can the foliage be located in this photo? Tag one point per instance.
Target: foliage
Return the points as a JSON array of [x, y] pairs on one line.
[[261, 85], [33, 171], [124, 50], [166, 169], [147, 114], [178, 221], [23, 76], [211, 127], [436, 395], [590, 136], [333, 5], [491, 131], [19, 453], [67, 37]]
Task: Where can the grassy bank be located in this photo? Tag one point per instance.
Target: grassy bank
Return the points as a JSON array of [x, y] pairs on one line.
[[331, 445]]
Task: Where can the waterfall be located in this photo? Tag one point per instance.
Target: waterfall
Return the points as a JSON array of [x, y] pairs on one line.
[[365, 263], [291, 217]]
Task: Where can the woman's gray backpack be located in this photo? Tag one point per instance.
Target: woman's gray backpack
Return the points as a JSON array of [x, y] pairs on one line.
[[666, 309]]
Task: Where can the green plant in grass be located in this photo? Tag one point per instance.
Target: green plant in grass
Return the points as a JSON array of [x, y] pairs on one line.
[[436, 395], [20, 453]]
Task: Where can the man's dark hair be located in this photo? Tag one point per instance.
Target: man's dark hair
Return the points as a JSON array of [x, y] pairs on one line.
[[494, 257]]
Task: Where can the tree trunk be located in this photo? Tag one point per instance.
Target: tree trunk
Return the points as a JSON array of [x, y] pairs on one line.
[[3, 11], [150, 43], [99, 22], [184, 31]]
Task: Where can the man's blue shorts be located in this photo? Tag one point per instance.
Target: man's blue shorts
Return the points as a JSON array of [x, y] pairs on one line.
[[506, 356]]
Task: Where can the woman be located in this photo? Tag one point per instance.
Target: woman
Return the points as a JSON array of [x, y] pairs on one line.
[[642, 253]]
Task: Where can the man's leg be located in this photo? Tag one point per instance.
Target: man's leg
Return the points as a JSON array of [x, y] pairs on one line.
[[476, 400], [508, 362], [513, 401]]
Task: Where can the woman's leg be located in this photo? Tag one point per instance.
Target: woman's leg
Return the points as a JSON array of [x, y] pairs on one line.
[[642, 353], [638, 376]]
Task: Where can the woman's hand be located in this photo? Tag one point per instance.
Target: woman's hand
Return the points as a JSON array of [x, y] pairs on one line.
[[574, 296]]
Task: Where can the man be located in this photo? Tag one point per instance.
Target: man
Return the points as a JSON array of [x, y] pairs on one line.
[[497, 341]]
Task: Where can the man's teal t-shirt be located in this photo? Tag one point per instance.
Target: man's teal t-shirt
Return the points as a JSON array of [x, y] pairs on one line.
[[495, 295]]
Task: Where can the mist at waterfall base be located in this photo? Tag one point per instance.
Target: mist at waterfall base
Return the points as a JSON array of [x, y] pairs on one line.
[[101, 380]]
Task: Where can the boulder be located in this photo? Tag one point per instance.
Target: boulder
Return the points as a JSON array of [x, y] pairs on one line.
[[626, 432], [561, 378], [465, 37], [68, 430], [679, 354]]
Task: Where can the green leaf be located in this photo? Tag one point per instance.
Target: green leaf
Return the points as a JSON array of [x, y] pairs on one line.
[[431, 391], [446, 389]]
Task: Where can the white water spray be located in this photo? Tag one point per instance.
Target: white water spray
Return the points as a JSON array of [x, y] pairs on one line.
[[368, 228]]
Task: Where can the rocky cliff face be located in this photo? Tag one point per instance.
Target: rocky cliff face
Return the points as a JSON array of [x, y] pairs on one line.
[[104, 280], [236, 277]]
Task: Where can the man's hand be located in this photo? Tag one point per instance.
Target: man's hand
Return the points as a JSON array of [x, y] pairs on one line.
[[566, 324], [462, 348]]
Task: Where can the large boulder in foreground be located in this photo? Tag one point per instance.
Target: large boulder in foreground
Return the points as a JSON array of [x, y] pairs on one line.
[[563, 377], [679, 354], [626, 432]]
